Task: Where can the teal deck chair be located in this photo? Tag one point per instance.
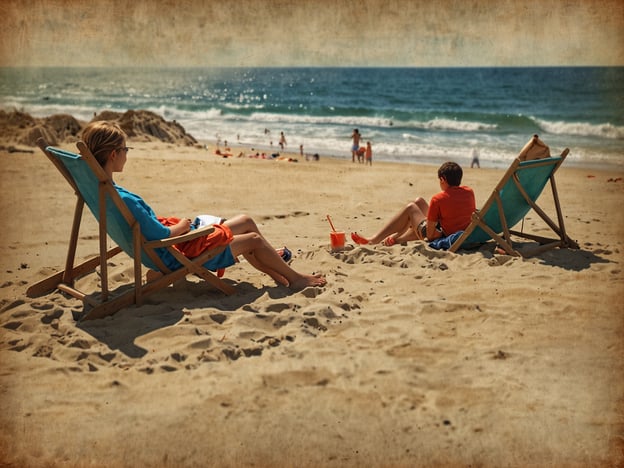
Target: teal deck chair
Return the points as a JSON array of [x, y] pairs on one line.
[[94, 188], [514, 196]]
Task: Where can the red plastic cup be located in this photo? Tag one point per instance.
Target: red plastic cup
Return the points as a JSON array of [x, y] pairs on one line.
[[337, 240]]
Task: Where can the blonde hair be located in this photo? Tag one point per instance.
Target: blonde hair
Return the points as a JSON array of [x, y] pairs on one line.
[[103, 137]]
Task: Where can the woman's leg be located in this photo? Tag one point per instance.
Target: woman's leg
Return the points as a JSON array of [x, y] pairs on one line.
[[244, 244], [241, 224], [262, 256]]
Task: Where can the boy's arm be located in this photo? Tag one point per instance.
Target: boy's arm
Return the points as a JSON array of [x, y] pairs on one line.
[[432, 232]]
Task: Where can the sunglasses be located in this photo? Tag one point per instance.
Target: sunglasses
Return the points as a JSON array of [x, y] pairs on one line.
[[124, 148]]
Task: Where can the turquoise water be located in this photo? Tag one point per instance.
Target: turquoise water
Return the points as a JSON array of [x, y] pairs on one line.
[[409, 114]]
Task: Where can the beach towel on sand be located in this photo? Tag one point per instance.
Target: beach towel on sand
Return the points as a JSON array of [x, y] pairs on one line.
[[444, 243]]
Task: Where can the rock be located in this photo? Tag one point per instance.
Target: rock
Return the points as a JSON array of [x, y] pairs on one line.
[[21, 128]]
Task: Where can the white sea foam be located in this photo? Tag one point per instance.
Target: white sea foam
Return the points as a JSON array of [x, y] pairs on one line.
[[602, 130], [457, 125]]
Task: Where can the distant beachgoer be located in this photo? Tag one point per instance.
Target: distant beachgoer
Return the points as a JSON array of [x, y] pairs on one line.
[[369, 154], [282, 141], [448, 212], [107, 143], [360, 154], [356, 144], [475, 158]]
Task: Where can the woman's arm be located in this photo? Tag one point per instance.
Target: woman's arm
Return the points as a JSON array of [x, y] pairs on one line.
[[182, 227]]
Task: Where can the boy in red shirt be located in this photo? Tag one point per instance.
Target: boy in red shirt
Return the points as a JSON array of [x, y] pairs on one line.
[[448, 212]]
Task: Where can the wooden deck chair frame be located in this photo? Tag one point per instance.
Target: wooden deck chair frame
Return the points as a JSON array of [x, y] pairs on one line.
[[503, 234], [109, 304]]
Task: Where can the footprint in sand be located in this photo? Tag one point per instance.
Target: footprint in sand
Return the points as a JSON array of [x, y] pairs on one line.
[[297, 378], [280, 307], [11, 305], [12, 325], [311, 293], [81, 344], [178, 357], [280, 322], [43, 351], [253, 351], [294, 214], [270, 340], [49, 318], [232, 354], [314, 323], [18, 345], [219, 318]]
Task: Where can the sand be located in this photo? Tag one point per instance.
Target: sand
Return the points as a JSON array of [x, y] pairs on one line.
[[408, 357]]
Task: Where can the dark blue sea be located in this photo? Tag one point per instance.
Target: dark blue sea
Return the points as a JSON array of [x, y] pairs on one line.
[[409, 114]]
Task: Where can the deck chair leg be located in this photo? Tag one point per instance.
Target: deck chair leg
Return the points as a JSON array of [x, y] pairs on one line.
[[52, 282], [564, 236], [502, 242], [559, 229], [138, 269], [73, 243], [128, 298], [503, 220], [103, 238]]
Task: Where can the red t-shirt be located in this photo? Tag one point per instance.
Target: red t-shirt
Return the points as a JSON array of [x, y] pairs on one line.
[[452, 208]]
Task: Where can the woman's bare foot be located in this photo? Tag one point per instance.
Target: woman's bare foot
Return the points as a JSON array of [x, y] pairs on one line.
[[308, 280]]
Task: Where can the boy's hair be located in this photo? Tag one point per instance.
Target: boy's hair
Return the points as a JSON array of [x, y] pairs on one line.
[[451, 172], [102, 137]]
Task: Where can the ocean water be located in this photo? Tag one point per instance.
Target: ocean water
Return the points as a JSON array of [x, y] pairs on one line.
[[424, 115]]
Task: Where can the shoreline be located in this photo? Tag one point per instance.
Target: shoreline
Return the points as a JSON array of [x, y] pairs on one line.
[[10, 129], [211, 147]]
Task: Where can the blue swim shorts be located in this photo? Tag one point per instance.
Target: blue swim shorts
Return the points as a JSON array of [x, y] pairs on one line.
[[223, 260]]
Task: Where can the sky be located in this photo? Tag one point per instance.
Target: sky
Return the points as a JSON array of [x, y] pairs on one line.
[[250, 33]]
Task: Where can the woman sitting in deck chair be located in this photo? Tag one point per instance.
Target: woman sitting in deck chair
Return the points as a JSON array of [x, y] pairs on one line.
[[107, 142]]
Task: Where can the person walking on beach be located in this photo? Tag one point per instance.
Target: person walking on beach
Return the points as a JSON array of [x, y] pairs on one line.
[[356, 144], [448, 212], [107, 143], [282, 141], [475, 158], [369, 154]]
